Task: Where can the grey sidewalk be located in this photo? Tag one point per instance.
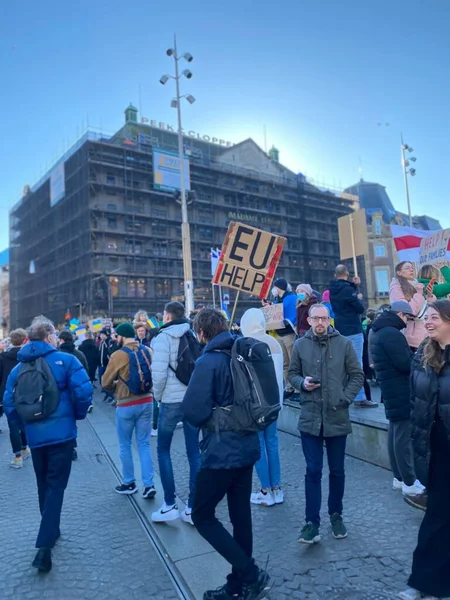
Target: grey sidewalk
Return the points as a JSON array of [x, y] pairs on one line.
[[373, 563], [103, 553]]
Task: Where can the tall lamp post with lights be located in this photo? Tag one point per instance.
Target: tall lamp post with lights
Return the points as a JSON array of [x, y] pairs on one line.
[[185, 229], [408, 170]]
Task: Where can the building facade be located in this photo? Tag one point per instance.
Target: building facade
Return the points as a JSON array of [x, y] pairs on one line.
[[99, 236]]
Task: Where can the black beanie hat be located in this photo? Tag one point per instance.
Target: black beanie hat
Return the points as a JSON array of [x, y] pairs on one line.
[[281, 284]]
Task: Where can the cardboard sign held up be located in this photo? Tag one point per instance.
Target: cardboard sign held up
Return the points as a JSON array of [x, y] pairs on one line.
[[353, 240], [249, 259], [433, 249], [274, 316]]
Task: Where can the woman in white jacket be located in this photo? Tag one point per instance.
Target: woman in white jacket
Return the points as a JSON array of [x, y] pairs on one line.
[[253, 324]]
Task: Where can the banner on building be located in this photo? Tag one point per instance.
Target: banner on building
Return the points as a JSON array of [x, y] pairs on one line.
[[249, 259], [433, 249], [57, 184], [167, 172]]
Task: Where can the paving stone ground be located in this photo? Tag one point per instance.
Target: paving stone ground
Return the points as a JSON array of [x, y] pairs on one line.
[[373, 563], [103, 553]]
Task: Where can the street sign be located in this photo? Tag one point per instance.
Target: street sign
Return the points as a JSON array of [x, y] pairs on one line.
[[249, 259]]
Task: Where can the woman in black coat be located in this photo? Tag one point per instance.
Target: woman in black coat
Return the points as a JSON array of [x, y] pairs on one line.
[[89, 348], [430, 381]]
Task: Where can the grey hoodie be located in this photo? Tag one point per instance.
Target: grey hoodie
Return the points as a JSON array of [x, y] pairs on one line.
[[330, 358]]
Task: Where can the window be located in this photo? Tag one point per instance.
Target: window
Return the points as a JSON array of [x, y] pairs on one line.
[[114, 283], [112, 222], [382, 277], [131, 288], [160, 248], [112, 207], [380, 250], [140, 288], [205, 232], [157, 212], [377, 226], [162, 288], [110, 179], [133, 247]]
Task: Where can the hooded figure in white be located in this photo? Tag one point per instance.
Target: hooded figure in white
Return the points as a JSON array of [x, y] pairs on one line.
[[253, 324]]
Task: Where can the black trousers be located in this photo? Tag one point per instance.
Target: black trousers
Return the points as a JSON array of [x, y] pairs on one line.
[[52, 465], [212, 485], [17, 437]]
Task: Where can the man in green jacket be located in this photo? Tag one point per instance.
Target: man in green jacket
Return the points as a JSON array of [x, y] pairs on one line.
[[326, 370]]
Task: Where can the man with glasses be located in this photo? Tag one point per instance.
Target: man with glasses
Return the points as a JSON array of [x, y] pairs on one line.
[[326, 370]]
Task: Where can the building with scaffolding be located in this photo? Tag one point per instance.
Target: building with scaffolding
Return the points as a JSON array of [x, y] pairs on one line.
[[100, 234]]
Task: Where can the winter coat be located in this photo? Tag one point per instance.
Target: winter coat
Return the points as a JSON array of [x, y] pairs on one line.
[[415, 330], [347, 307], [430, 393], [392, 358], [74, 400], [440, 290], [303, 314], [211, 385], [166, 386], [330, 358], [69, 348], [253, 324], [105, 349], [92, 354], [289, 301], [8, 360]]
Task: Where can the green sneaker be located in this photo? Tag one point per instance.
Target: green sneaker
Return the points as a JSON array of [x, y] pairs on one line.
[[309, 534], [337, 525]]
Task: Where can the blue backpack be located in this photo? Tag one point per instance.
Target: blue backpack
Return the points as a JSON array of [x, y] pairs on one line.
[[140, 380]]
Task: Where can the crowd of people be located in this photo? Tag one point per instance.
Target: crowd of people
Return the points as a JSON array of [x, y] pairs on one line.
[[190, 372]]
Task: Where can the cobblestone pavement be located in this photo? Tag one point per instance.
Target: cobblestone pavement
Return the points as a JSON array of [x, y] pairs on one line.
[[103, 553], [371, 564]]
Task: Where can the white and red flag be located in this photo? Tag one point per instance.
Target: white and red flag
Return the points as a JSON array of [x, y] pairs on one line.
[[407, 242]]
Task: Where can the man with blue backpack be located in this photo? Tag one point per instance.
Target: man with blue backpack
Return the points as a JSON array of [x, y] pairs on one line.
[[129, 375]]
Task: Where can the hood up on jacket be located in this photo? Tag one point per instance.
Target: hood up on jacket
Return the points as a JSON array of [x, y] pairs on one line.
[[33, 350], [388, 319], [10, 355]]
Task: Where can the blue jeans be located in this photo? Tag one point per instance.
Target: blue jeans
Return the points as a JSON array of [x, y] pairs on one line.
[[268, 466], [313, 451], [135, 418], [358, 346], [169, 416]]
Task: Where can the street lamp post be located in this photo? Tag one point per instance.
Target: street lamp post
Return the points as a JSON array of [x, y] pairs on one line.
[[185, 228], [407, 170]]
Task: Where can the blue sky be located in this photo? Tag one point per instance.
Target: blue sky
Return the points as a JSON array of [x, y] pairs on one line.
[[320, 75]]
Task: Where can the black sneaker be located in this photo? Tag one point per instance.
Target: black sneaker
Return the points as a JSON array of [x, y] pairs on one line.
[[43, 560], [149, 492], [257, 590], [338, 528], [128, 489], [309, 534], [222, 593], [74, 455]]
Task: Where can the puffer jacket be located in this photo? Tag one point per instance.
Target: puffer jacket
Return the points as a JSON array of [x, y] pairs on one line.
[[430, 393], [330, 358], [166, 386], [74, 401], [211, 385], [392, 358]]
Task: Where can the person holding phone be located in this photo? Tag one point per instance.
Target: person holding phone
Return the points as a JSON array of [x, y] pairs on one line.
[[325, 368]]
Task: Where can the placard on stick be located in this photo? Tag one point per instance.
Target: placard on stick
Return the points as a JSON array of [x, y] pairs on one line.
[[274, 315], [353, 240], [249, 259]]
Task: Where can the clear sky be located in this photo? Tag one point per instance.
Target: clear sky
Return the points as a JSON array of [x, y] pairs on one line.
[[319, 74]]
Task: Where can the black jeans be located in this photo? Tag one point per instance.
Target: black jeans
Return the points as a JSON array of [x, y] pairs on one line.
[[313, 451], [17, 437], [52, 465], [211, 487]]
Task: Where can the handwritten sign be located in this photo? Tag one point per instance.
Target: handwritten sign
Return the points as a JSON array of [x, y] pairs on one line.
[[274, 316], [433, 249], [249, 259]]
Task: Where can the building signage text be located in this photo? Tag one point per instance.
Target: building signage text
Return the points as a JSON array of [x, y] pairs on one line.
[[191, 134]]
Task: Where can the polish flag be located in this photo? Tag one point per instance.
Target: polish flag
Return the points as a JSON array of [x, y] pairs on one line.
[[407, 242]]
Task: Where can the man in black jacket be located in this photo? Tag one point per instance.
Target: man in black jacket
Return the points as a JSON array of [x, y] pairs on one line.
[[227, 463], [392, 357], [89, 348], [348, 309], [8, 360]]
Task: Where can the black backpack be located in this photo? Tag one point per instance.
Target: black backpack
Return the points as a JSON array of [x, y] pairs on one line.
[[256, 402], [189, 350], [36, 395]]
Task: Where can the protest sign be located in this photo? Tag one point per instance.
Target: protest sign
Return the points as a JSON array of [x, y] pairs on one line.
[[353, 240], [96, 324], [433, 249], [274, 316], [248, 259]]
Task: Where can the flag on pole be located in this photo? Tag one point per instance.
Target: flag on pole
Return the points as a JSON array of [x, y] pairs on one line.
[[215, 255], [407, 242]]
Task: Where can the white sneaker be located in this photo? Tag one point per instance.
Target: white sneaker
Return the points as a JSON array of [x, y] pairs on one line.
[[186, 516], [166, 513], [410, 594], [26, 453], [179, 425], [263, 499], [278, 495], [16, 462], [412, 490], [154, 433], [397, 485]]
